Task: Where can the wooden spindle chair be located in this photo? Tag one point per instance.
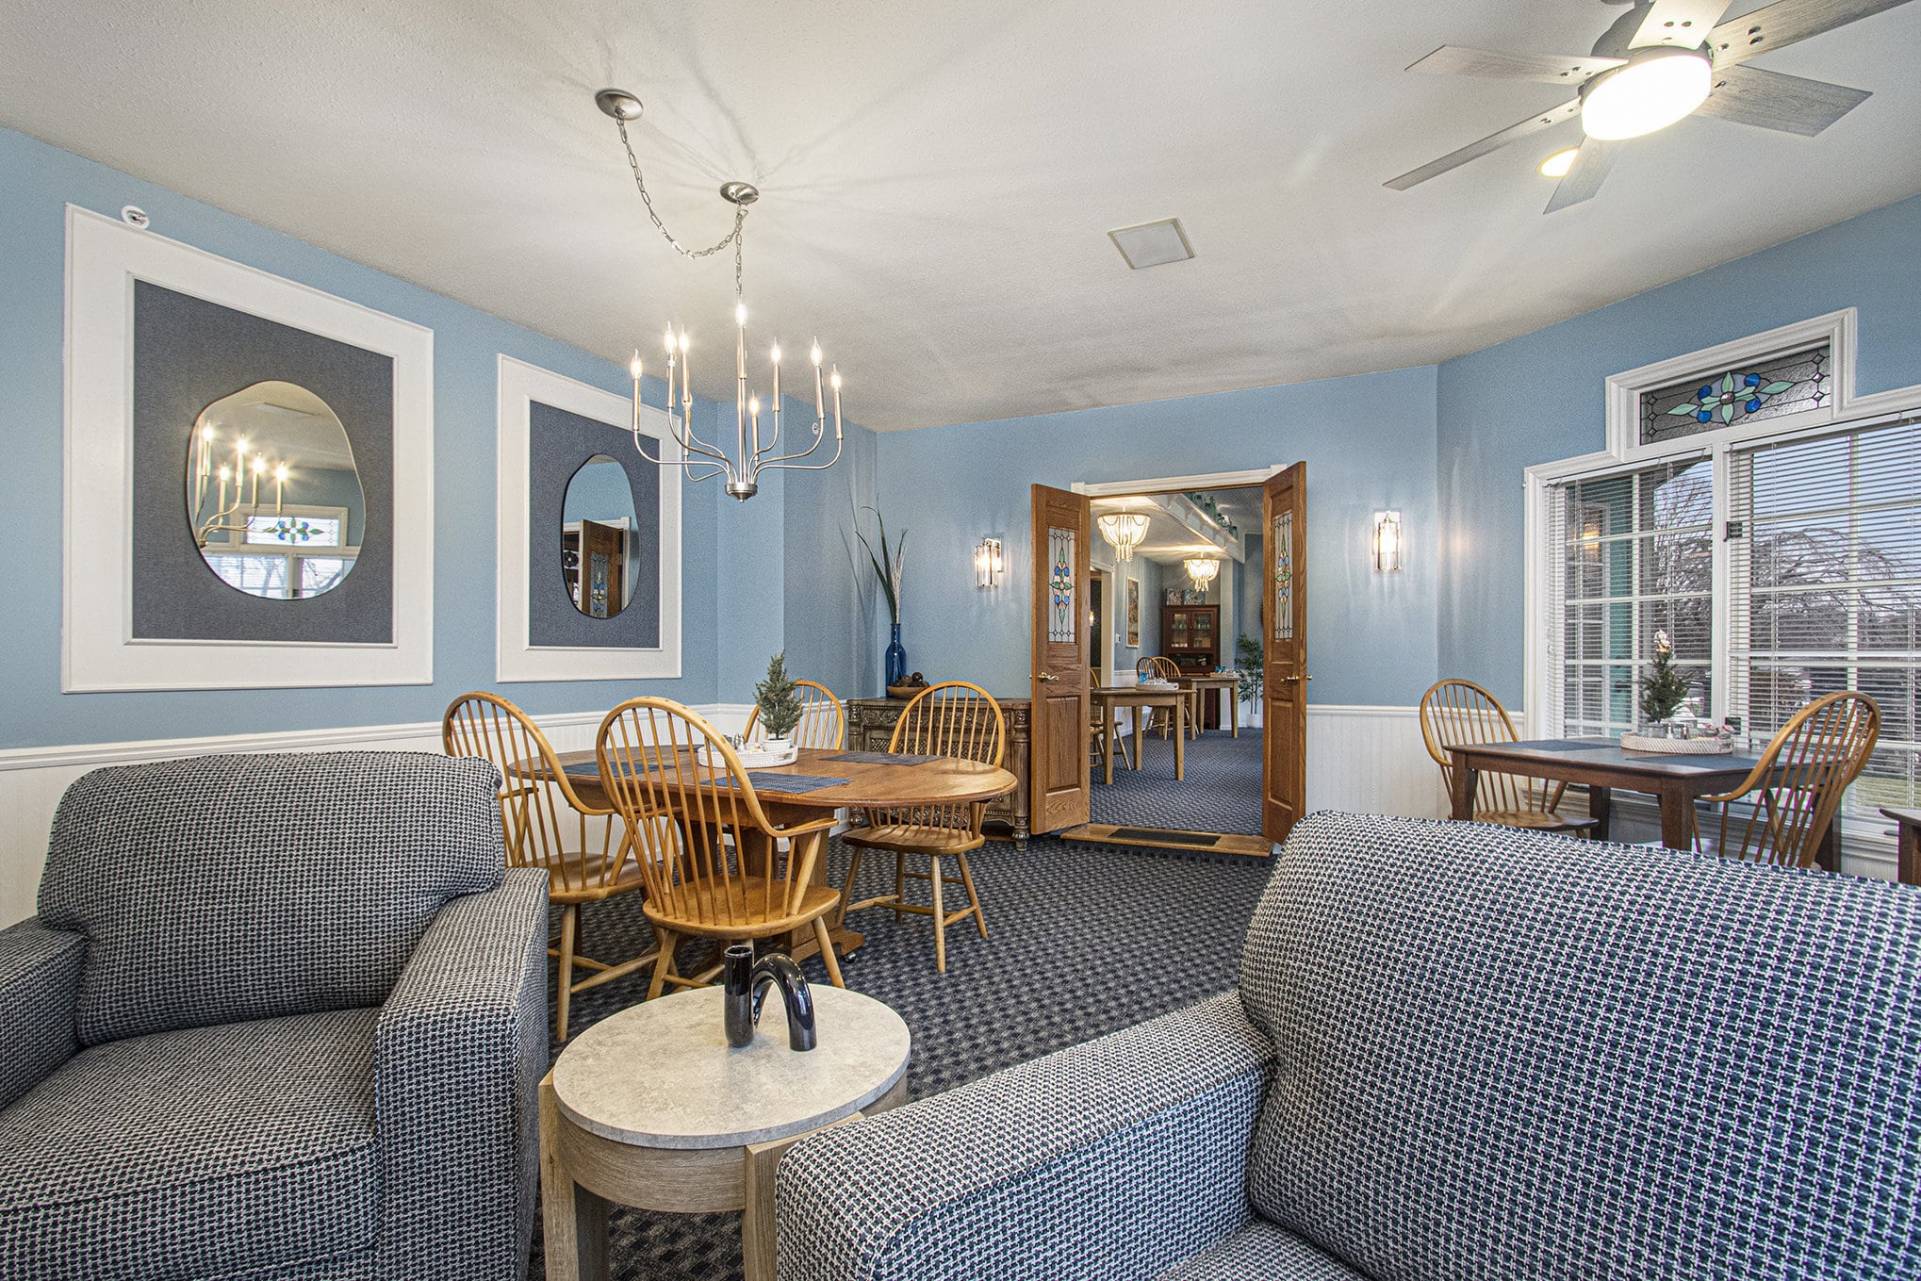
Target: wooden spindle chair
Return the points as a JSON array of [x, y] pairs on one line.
[[961, 722], [1159, 667], [714, 864], [1455, 712], [536, 800], [823, 724], [1781, 811]]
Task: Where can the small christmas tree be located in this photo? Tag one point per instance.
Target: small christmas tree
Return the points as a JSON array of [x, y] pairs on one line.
[[779, 705], [1665, 687]]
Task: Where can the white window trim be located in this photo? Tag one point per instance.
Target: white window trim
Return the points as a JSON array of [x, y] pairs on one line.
[[1624, 453], [1624, 390], [516, 657], [98, 650]]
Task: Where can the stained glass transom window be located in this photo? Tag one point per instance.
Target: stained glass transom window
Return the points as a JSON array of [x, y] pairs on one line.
[[1060, 585], [1709, 401], [1284, 576]]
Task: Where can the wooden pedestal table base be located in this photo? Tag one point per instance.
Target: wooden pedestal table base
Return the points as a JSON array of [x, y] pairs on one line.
[[652, 1108]]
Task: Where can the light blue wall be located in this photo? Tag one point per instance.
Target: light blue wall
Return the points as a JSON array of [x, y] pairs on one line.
[[38, 181], [829, 604], [1539, 398], [1368, 442]]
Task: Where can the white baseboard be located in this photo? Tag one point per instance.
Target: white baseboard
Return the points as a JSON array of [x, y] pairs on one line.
[[32, 779]]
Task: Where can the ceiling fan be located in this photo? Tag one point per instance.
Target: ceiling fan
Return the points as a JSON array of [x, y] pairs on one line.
[[1660, 61]]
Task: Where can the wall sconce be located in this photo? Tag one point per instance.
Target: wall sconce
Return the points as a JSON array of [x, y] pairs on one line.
[[988, 563], [1387, 542]]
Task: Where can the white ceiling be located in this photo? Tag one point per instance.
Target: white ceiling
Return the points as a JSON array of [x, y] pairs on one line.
[[938, 179]]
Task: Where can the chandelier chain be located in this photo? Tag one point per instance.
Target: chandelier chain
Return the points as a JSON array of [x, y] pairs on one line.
[[733, 237]]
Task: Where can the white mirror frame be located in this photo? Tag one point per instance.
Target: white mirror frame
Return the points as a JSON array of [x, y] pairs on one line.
[[516, 658], [98, 650]]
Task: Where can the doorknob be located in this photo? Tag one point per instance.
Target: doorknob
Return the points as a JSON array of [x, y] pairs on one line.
[[1047, 678], [1291, 679]]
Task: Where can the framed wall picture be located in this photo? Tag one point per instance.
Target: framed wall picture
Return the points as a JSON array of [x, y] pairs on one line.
[[588, 531], [248, 479], [1134, 612]]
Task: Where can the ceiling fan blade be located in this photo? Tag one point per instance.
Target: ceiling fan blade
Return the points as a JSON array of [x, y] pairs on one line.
[[1681, 23], [1784, 22], [1591, 165], [1549, 68], [1493, 142], [1771, 100]]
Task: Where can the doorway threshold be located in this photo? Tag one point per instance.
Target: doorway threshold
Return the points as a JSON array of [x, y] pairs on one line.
[[1166, 838]]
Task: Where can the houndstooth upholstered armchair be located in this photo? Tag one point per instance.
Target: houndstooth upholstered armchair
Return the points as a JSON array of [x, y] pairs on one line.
[[1456, 1051], [279, 1016]]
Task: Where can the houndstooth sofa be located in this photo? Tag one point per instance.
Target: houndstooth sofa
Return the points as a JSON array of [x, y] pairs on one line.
[[1456, 1052], [279, 1016]]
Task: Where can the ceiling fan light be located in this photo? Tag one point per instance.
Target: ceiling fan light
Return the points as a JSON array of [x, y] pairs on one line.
[[1560, 163], [1657, 87]]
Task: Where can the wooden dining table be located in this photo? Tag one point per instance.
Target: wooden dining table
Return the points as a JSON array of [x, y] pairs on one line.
[[1139, 697], [1227, 685], [1602, 765], [873, 780], [1907, 830]]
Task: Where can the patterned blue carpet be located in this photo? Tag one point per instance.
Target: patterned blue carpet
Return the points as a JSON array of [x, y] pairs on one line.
[[1221, 793], [1080, 945]]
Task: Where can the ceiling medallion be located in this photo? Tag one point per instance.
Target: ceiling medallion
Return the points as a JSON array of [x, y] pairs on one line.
[[752, 454]]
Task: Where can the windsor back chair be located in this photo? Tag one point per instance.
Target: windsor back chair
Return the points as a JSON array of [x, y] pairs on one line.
[[956, 720], [1456, 711], [714, 865], [539, 811], [1781, 811]]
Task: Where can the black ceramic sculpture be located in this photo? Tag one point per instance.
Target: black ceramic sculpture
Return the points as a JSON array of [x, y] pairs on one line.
[[744, 987]]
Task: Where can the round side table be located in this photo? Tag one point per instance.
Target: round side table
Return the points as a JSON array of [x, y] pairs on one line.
[[652, 1108]]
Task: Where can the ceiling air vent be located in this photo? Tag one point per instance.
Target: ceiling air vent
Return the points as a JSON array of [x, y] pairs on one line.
[[1151, 244]]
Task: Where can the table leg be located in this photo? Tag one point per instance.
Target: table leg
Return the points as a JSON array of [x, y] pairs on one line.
[[1463, 778], [1111, 733], [1180, 739], [1908, 863], [1677, 818], [1231, 695], [573, 1220], [1140, 747], [1827, 855], [1600, 808]]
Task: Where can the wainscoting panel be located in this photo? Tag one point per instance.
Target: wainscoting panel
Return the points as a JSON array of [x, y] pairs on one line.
[[1370, 760], [32, 779]]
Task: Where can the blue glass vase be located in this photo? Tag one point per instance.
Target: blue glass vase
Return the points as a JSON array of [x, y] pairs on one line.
[[896, 659]]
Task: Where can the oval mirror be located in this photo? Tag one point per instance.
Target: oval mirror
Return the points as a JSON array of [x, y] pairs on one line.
[[598, 532], [273, 499]]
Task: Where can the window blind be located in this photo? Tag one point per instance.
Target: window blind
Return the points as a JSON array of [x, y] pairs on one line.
[[1630, 555], [1824, 568]]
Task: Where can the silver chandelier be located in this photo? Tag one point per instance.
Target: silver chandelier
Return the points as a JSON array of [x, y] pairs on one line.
[[752, 455]]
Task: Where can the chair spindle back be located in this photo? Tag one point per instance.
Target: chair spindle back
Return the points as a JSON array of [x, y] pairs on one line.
[[534, 792], [1795, 789], [956, 720], [693, 814], [1158, 667], [823, 723], [1456, 712]]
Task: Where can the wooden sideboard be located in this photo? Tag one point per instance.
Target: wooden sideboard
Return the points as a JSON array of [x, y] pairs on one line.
[[870, 724]]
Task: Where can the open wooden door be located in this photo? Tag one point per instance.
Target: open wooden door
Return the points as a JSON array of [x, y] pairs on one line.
[[1284, 615], [603, 569], [1058, 791]]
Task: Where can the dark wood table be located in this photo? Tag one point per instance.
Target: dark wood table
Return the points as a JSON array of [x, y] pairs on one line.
[[1908, 865], [1601, 765], [876, 785]]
